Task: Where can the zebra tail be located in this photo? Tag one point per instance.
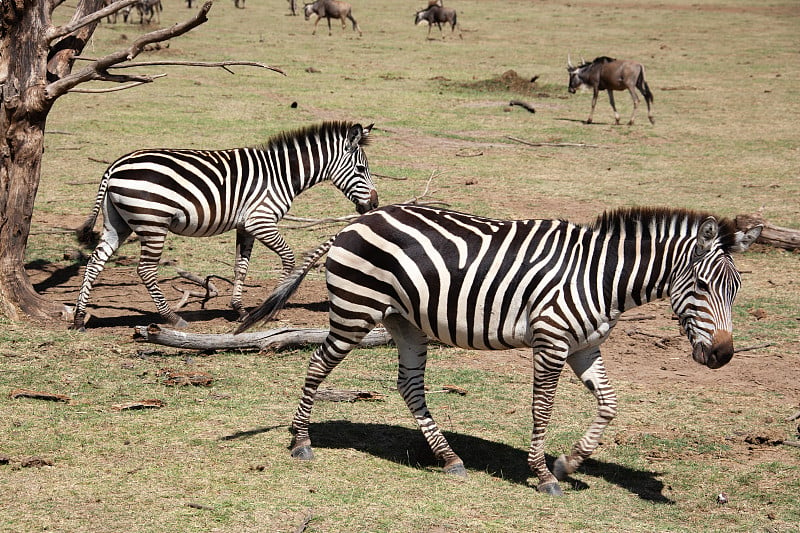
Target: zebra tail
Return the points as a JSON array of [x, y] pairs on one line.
[[85, 233], [285, 289]]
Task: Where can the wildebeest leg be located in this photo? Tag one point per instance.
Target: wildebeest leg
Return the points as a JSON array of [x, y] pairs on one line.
[[329, 26], [315, 25], [614, 107], [635, 104], [355, 24], [152, 246], [244, 248], [412, 355], [115, 231], [594, 103], [589, 368]]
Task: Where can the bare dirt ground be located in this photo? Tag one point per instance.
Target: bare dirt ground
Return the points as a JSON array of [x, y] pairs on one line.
[[646, 347]]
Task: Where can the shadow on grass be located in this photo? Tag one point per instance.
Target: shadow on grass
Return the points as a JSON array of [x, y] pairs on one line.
[[408, 447]]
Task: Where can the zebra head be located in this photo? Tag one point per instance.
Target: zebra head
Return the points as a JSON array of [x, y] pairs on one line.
[[352, 174], [703, 289]]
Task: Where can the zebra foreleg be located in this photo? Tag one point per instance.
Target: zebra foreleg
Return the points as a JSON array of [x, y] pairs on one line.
[[547, 366], [412, 357], [589, 368]]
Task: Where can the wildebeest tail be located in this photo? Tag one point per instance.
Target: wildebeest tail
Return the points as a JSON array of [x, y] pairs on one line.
[[285, 289], [642, 84], [85, 233]]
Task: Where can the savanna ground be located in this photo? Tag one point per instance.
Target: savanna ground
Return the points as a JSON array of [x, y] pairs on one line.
[[725, 78]]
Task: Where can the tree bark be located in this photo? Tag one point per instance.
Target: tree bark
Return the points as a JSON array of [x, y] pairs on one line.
[[24, 54]]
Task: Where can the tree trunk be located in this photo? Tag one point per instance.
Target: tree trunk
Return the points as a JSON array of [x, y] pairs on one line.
[[23, 111], [27, 64]]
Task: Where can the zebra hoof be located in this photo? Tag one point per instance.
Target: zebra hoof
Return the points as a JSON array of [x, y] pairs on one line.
[[304, 453], [561, 469], [180, 324], [551, 488], [455, 469]]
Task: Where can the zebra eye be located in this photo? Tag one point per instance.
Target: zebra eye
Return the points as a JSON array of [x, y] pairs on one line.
[[703, 285], [361, 169]]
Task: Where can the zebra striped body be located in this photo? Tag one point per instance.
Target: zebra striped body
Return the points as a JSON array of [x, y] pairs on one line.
[[200, 193], [486, 284]]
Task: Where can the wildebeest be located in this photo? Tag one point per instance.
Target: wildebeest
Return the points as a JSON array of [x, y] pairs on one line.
[[436, 14], [609, 74], [330, 9]]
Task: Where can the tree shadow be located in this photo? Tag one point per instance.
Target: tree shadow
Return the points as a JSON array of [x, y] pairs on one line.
[[407, 446]]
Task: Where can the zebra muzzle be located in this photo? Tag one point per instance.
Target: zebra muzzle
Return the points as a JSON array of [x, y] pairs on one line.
[[364, 207], [718, 354]]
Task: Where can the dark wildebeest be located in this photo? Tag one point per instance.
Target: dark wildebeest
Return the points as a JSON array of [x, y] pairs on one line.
[[330, 9], [436, 14], [608, 74]]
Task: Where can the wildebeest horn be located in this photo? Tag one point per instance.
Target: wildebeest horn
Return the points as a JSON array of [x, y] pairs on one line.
[[569, 62]]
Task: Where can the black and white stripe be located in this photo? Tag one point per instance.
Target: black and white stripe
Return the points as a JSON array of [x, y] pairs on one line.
[[199, 193], [552, 285]]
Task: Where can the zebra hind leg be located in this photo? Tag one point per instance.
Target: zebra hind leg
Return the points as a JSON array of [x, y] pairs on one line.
[[324, 359], [412, 357], [113, 236], [244, 248], [589, 368], [152, 246]]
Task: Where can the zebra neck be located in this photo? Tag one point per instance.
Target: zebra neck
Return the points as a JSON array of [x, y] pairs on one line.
[[638, 268], [299, 164]]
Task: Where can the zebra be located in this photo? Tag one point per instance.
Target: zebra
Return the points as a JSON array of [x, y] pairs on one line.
[[550, 285], [199, 193]]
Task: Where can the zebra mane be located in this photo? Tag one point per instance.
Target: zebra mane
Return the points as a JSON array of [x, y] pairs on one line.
[[322, 130], [629, 217]]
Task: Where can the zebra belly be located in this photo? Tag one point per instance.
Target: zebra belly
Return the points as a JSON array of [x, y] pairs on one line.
[[152, 208]]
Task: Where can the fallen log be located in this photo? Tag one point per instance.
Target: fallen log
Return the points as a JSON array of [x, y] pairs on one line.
[[274, 339], [38, 395], [771, 235]]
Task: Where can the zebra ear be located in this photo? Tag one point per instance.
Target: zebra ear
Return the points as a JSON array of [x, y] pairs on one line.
[[706, 234], [354, 135], [745, 239]]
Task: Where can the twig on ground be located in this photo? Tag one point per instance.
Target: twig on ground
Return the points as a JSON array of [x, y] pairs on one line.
[[754, 347], [524, 105], [553, 145]]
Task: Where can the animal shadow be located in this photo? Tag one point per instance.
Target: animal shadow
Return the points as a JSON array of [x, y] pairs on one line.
[[407, 446]]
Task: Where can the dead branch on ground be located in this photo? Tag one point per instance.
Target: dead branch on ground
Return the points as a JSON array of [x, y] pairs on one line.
[[274, 339], [524, 105], [210, 289], [772, 235], [422, 199], [553, 144]]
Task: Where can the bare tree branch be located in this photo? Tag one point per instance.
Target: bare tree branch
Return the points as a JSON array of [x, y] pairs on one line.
[[118, 88], [56, 32], [98, 70]]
